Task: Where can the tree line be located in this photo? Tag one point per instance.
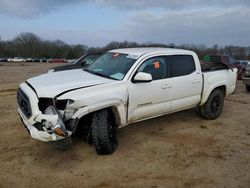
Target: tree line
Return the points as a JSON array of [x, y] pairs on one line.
[[31, 45]]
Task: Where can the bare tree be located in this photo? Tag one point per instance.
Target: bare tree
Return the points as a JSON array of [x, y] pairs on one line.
[[31, 45]]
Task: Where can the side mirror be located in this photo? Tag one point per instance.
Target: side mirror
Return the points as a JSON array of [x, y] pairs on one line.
[[142, 77]]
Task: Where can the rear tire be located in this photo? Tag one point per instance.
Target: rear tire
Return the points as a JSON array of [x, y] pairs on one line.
[[213, 107], [248, 88], [103, 132]]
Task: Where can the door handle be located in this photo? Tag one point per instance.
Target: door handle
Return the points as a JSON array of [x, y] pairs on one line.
[[166, 86]]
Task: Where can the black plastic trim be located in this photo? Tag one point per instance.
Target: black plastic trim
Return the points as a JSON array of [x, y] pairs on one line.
[[24, 103], [31, 87]]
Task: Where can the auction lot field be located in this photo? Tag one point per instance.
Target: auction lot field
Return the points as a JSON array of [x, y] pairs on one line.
[[177, 150]]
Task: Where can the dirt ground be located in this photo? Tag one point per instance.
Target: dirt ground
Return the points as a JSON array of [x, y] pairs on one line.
[[177, 150]]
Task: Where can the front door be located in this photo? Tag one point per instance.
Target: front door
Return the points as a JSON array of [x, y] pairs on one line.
[[150, 99]]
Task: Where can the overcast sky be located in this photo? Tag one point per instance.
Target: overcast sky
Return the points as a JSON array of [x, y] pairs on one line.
[[97, 22]]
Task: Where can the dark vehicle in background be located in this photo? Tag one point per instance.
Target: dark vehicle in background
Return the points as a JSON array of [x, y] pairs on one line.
[[57, 60], [36, 60], [3, 59], [82, 62], [231, 62], [246, 77], [28, 59], [43, 60]]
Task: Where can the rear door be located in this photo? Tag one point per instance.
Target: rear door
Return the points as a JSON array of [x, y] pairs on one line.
[[185, 82]]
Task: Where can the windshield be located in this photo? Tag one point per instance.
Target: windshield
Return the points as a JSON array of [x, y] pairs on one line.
[[86, 59], [90, 58], [112, 65]]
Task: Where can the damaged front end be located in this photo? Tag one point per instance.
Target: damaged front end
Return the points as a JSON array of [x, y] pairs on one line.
[[54, 114], [52, 122], [46, 119]]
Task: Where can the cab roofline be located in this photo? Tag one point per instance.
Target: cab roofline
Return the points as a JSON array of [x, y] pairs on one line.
[[147, 50]]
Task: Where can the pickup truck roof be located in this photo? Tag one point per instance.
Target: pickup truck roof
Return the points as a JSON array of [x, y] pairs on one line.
[[142, 51]]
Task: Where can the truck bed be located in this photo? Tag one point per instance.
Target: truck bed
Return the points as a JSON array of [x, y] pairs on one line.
[[215, 75], [207, 67]]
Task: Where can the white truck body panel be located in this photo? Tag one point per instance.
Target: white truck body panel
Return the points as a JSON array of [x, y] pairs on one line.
[[219, 78], [50, 85]]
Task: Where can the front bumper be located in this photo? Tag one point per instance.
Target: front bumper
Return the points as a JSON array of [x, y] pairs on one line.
[[40, 134], [35, 121]]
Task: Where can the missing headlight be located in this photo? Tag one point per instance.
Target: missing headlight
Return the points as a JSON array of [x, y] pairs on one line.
[[59, 127], [61, 104], [44, 103]]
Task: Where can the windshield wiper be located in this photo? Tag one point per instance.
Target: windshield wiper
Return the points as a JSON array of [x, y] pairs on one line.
[[87, 70], [99, 74], [104, 75]]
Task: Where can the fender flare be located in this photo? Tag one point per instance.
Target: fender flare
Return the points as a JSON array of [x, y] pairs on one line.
[[211, 89], [118, 107]]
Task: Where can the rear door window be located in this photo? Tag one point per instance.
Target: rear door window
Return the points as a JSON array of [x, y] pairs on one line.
[[181, 65]]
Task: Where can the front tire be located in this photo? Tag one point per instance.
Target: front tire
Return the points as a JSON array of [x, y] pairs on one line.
[[213, 107], [103, 132]]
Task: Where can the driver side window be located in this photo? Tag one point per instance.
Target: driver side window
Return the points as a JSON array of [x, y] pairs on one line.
[[156, 66]]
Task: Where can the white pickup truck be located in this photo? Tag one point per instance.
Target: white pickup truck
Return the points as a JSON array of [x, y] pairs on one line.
[[121, 87], [16, 59]]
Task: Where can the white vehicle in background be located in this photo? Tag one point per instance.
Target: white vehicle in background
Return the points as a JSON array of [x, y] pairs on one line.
[[121, 87], [16, 59]]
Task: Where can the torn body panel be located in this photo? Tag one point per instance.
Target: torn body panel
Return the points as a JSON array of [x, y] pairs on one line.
[[38, 133], [47, 125], [88, 100]]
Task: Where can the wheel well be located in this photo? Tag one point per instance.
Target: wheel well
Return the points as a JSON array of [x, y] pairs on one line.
[[116, 116], [84, 122], [222, 89], [83, 125]]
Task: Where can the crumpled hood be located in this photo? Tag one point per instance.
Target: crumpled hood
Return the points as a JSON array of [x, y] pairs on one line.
[[50, 85]]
